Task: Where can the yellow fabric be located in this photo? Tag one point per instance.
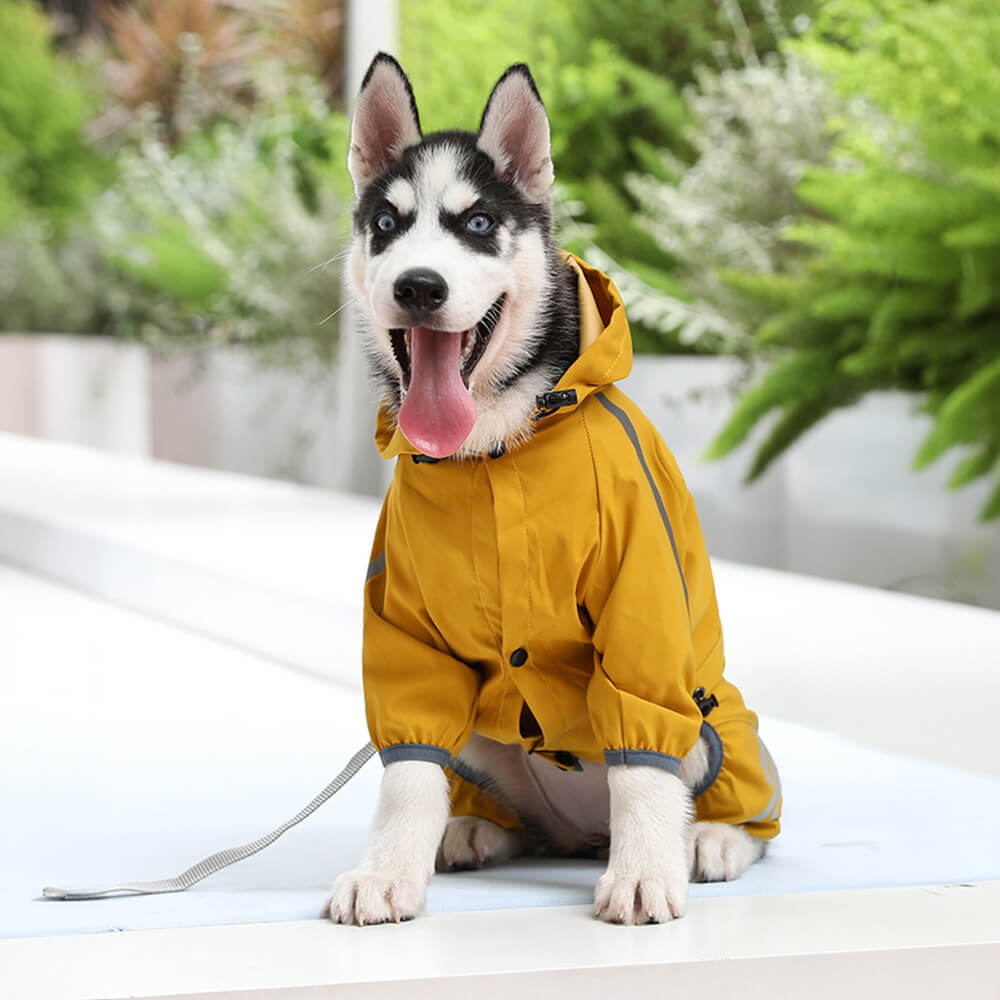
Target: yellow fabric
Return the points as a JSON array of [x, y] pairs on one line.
[[558, 548], [468, 799]]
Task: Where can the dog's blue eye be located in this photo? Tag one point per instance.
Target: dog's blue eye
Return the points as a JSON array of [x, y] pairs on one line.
[[385, 222], [479, 223]]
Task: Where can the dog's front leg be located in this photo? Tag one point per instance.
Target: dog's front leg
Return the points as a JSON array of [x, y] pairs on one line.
[[391, 881], [647, 876]]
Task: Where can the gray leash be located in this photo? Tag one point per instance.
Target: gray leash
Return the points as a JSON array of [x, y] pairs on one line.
[[223, 859]]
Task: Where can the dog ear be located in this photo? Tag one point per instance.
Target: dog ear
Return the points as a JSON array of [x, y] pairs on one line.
[[515, 133], [385, 121]]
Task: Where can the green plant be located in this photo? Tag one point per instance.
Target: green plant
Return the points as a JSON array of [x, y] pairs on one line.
[[611, 77], [311, 33], [215, 243], [191, 61], [901, 289], [211, 242], [47, 167], [756, 130]]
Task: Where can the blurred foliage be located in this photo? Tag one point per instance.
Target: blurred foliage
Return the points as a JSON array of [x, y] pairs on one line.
[[47, 168], [611, 78], [901, 289], [216, 242], [680, 36], [191, 60], [198, 62], [756, 130], [309, 34], [222, 211]]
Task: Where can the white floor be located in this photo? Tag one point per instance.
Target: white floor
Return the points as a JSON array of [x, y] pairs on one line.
[[106, 776], [133, 744]]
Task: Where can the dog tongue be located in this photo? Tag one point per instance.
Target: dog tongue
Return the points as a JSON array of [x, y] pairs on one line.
[[438, 412]]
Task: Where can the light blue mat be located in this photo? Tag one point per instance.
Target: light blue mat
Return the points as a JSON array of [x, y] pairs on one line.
[[113, 769]]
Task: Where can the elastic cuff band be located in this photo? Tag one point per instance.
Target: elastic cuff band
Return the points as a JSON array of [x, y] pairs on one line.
[[414, 751], [642, 758]]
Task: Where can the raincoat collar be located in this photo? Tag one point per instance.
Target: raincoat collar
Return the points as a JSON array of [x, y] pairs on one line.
[[605, 355]]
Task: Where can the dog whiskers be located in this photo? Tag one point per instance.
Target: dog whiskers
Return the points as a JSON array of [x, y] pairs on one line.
[[323, 265], [343, 305]]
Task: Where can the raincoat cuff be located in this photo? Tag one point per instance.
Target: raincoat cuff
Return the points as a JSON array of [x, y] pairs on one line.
[[643, 758], [414, 751]]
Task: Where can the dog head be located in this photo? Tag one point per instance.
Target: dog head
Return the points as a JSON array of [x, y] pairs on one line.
[[452, 257]]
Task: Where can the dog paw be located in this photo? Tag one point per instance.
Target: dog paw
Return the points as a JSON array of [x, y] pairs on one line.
[[474, 842], [363, 897], [633, 899], [721, 852]]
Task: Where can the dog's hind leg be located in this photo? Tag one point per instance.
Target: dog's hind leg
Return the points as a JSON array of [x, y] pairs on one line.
[[475, 842], [721, 852], [717, 852]]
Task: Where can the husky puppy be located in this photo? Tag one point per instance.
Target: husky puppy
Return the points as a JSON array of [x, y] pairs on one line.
[[473, 318]]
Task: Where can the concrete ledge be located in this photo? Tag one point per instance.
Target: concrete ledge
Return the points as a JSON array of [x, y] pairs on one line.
[[278, 569], [274, 568], [919, 942]]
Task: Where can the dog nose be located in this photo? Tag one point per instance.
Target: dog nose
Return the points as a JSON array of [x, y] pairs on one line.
[[420, 291]]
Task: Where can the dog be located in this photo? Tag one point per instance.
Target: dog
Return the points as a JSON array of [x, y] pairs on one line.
[[543, 663]]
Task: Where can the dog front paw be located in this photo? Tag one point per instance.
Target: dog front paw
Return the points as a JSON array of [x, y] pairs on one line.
[[365, 897], [628, 898], [474, 842]]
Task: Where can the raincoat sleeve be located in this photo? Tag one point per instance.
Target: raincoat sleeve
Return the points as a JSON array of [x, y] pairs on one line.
[[420, 701], [640, 694]]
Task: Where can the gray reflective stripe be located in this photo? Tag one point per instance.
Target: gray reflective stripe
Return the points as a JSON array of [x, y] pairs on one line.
[[414, 751], [376, 566], [716, 754], [643, 758], [622, 417], [771, 773]]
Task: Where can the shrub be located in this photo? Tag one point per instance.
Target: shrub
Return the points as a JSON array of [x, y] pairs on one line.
[[216, 243], [902, 286], [47, 167], [190, 61], [610, 76], [755, 130], [212, 242]]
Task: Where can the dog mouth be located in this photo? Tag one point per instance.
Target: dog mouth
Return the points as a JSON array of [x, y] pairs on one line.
[[438, 412], [473, 343]]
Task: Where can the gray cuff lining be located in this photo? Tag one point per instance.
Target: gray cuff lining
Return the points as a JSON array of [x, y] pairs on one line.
[[414, 751], [644, 758], [715, 758]]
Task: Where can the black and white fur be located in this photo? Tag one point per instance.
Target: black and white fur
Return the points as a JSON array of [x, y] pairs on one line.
[[640, 818], [433, 186]]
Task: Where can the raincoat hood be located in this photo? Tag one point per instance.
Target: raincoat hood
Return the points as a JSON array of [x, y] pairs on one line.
[[605, 352]]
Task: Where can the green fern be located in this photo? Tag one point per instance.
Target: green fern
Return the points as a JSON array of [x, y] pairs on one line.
[[899, 283]]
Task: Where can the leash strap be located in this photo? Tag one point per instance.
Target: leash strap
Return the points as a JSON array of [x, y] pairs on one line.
[[223, 859]]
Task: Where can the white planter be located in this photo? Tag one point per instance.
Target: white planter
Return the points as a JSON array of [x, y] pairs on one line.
[[688, 399], [91, 391], [222, 410], [842, 503], [857, 511]]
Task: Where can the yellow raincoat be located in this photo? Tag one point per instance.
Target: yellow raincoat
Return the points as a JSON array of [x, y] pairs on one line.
[[559, 596]]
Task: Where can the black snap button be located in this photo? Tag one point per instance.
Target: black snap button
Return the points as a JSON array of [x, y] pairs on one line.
[[519, 657], [498, 450]]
